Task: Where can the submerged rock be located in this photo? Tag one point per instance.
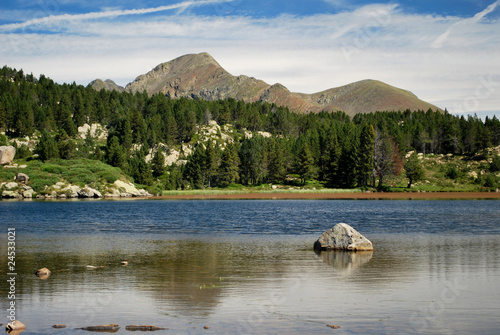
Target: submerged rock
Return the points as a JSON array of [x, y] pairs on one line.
[[59, 326], [111, 328], [143, 328], [343, 237]]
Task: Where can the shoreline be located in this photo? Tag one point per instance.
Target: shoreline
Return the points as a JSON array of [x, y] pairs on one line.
[[339, 196]]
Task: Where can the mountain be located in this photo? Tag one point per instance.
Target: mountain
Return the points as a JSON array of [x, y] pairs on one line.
[[108, 84], [199, 76]]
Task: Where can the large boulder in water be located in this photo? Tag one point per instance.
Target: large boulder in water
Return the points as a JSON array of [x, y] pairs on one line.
[[343, 237]]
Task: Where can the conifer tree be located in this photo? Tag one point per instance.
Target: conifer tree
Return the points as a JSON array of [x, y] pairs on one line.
[[414, 169], [47, 147], [305, 163], [158, 163], [228, 170], [366, 152]]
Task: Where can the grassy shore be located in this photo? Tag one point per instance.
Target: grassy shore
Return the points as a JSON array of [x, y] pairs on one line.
[[324, 194]]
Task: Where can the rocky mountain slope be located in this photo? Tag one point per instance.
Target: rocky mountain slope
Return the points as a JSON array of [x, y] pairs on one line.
[[107, 84], [199, 76]]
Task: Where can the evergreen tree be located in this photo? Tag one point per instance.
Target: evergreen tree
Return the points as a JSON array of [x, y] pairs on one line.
[[332, 156], [140, 170], [158, 163], [305, 163], [366, 152], [383, 157], [47, 147], [414, 169], [228, 170], [277, 162], [114, 153], [210, 164]]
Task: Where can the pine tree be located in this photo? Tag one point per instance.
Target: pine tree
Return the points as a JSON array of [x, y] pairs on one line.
[[277, 163], [47, 147], [305, 163], [414, 169], [366, 152], [228, 170], [383, 157], [114, 153], [158, 163], [331, 158]]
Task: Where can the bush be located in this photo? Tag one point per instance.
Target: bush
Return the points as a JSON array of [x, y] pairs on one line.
[[489, 181], [495, 164], [52, 168], [79, 176], [452, 172], [39, 183], [23, 152]]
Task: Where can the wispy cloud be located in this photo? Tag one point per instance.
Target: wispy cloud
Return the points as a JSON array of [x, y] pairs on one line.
[[51, 19], [303, 53], [438, 43]]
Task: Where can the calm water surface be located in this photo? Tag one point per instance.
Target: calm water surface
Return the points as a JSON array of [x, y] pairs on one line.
[[247, 267]]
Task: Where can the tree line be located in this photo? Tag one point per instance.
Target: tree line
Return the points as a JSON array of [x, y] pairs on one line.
[[328, 146]]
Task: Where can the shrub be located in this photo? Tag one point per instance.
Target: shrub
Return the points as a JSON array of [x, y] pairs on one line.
[[52, 168], [452, 172]]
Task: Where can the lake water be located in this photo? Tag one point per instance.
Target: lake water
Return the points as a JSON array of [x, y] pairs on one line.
[[248, 267]]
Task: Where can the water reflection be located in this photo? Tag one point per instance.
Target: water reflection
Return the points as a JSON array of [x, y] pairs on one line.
[[345, 262]]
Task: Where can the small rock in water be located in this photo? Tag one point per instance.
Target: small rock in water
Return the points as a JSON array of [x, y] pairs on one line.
[[333, 326], [42, 272], [59, 326], [111, 328], [15, 325], [143, 328], [206, 327]]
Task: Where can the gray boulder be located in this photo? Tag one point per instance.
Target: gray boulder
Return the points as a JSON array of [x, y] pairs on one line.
[[10, 194], [343, 237], [11, 185], [88, 192], [7, 154], [22, 178]]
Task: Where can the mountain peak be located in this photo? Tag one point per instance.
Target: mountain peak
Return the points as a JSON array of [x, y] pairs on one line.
[[107, 84], [200, 76]]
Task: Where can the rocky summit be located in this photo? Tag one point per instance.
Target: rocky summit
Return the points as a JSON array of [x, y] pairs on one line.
[[200, 76]]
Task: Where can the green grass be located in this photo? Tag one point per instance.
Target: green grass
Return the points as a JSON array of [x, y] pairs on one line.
[[257, 190], [78, 172]]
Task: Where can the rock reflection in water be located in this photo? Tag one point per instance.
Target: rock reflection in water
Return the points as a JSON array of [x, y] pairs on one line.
[[345, 262]]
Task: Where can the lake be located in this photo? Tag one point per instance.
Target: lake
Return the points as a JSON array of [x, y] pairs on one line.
[[248, 266]]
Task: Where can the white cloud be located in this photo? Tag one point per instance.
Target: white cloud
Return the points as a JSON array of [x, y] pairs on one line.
[[306, 54], [438, 43], [51, 19]]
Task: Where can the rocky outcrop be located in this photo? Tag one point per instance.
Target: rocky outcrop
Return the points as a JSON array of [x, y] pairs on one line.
[[95, 130], [22, 178], [129, 190], [88, 192], [7, 154], [343, 237]]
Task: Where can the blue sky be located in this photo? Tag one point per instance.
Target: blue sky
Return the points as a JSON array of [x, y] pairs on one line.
[[446, 52]]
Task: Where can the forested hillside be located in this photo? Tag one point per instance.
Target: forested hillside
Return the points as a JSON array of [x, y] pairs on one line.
[[251, 143]]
